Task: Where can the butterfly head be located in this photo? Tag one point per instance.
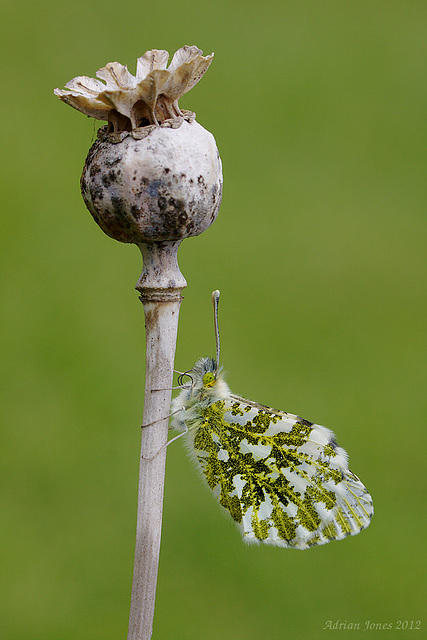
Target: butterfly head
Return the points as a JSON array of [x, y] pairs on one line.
[[205, 373], [208, 379]]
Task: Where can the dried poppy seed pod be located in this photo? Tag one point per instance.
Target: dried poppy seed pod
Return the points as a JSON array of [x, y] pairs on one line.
[[154, 174], [166, 186]]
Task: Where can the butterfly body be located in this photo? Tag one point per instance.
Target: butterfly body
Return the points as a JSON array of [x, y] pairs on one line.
[[282, 479]]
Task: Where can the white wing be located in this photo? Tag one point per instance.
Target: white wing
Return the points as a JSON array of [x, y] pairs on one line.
[[284, 480]]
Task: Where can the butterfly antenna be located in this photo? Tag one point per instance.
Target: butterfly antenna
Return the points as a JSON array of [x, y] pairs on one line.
[[215, 301]]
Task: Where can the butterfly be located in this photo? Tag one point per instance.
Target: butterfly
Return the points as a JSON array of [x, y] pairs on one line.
[[282, 479]]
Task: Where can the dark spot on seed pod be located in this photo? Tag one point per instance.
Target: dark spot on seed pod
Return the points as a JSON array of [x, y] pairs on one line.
[[97, 193], [123, 222], [200, 180], [118, 205], [190, 226], [174, 222], [135, 211], [153, 188], [94, 169], [162, 203], [191, 180], [166, 170], [106, 181]]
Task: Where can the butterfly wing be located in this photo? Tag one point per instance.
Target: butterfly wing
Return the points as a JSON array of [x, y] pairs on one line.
[[284, 480]]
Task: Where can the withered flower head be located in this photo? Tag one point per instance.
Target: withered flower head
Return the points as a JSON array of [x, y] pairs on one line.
[[153, 174], [128, 102]]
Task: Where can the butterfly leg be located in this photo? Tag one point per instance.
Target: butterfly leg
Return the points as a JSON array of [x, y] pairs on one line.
[[161, 419], [182, 410]]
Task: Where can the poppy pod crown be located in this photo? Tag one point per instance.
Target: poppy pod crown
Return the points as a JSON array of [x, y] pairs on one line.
[[154, 174]]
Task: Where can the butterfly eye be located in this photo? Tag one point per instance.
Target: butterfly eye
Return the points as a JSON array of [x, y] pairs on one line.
[[209, 379]]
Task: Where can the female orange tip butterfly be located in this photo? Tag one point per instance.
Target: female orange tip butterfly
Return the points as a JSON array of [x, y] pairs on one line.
[[282, 479]]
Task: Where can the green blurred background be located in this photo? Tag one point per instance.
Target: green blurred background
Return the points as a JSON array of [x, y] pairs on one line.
[[318, 112]]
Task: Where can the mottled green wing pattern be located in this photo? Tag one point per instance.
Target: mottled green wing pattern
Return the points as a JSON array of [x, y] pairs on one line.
[[284, 480]]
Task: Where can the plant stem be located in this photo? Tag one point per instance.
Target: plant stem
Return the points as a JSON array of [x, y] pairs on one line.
[[160, 285]]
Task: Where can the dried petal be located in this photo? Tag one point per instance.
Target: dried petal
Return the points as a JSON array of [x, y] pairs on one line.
[[186, 76], [126, 101], [85, 85], [116, 76], [154, 59], [185, 54], [89, 106]]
